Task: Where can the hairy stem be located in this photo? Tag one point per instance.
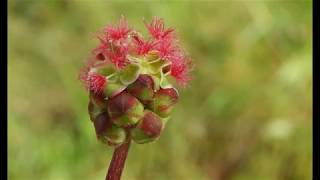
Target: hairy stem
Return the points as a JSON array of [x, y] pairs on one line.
[[118, 161]]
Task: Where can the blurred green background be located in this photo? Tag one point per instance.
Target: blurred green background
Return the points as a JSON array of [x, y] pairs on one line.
[[246, 115]]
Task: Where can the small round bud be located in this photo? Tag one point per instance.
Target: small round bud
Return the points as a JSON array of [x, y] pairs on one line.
[[142, 88], [163, 101], [114, 136], [101, 123], [107, 132], [124, 109], [148, 128]]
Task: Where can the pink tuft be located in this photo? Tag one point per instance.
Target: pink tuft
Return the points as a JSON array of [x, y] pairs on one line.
[[84, 72], [180, 68], [119, 32], [166, 48], [96, 82], [157, 30], [115, 52], [118, 55], [142, 47]]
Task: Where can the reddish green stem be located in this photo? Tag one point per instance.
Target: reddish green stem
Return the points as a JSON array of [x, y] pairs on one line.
[[118, 161]]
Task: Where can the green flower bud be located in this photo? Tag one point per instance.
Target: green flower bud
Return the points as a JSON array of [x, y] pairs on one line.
[[124, 109], [107, 132], [114, 136], [142, 88], [148, 128], [163, 101]]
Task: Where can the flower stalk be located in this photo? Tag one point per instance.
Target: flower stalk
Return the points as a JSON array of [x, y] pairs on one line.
[[118, 161]]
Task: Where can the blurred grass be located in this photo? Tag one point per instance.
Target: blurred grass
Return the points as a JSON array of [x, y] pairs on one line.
[[246, 114]]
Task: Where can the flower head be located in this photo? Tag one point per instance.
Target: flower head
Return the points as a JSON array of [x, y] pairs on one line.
[[127, 77], [119, 42]]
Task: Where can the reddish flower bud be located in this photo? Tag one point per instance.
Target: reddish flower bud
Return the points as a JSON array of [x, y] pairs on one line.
[[163, 101], [101, 123], [124, 109], [107, 132], [142, 88], [148, 128]]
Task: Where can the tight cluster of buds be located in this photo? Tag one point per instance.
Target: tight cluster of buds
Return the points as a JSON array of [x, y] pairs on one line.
[[128, 79]]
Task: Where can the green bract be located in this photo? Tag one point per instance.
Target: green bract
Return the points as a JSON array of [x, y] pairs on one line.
[[129, 74]]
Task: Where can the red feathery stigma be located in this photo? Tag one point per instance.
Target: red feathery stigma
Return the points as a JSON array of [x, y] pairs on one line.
[[84, 72], [96, 82], [157, 30], [166, 48], [142, 47], [180, 69], [119, 32], [118, 55]]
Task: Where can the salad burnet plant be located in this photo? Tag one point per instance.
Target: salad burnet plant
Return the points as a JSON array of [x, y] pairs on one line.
[[129, 82]]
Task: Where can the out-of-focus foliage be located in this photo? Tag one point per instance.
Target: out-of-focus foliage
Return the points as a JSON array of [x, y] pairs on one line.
[[245, 115]]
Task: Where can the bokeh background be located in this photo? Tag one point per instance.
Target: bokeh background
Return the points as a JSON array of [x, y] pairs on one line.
[[246, 115]]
